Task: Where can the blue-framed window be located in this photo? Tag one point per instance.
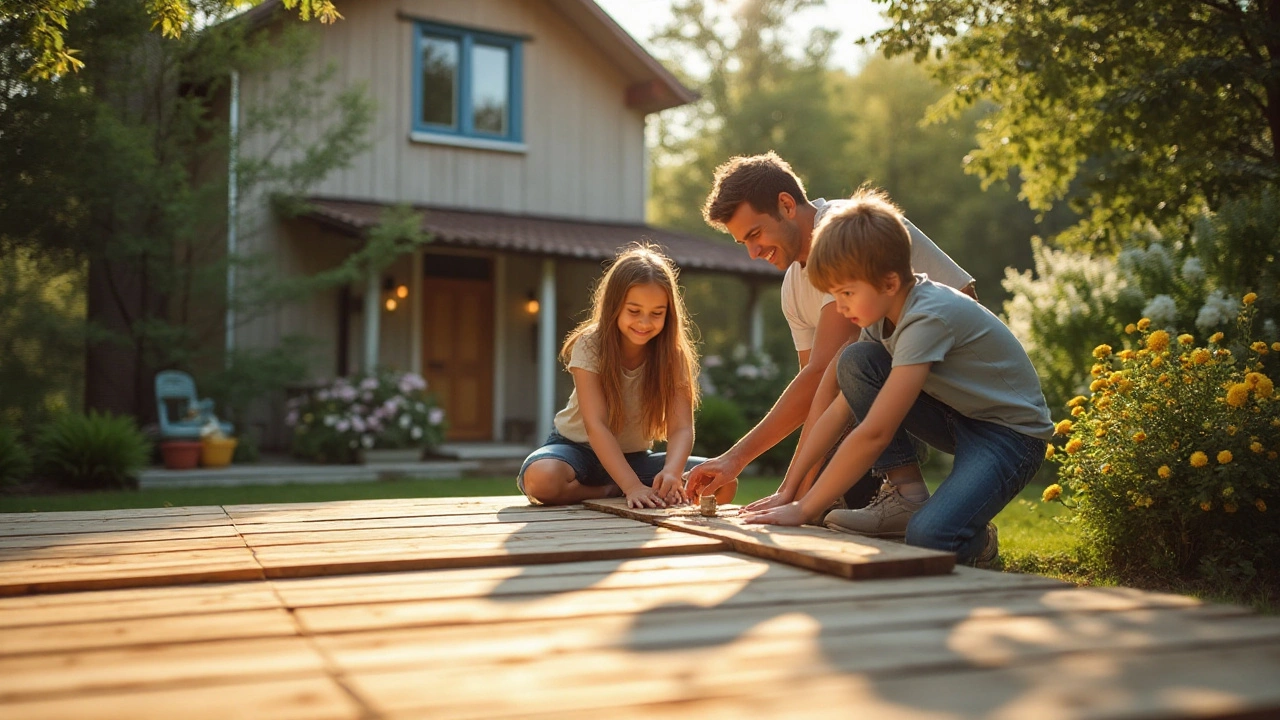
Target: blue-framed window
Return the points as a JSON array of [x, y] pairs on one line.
[[467, 84]]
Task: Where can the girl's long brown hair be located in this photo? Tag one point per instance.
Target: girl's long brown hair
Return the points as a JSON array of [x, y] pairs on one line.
[[672, 362]]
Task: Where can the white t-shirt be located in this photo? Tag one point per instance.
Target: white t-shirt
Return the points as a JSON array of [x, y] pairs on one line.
[[802, 303], [569, 422]]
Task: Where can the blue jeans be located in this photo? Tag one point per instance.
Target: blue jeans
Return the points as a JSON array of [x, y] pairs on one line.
[[992, 462], [587, 468]]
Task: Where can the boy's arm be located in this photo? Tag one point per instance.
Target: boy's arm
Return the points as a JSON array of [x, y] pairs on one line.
[[605, 444], [669, 482], [824, 433], [858, 451], [833, 333]]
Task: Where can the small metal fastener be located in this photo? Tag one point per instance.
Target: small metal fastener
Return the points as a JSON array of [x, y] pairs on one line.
[[707, 505]]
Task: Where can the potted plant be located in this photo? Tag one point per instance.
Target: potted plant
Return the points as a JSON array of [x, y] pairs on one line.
[[354, 420]]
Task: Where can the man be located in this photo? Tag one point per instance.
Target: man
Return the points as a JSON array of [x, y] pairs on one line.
[[762, 204]]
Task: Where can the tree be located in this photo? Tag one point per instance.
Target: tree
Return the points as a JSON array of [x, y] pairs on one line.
[[42, 25], [1146, 110]]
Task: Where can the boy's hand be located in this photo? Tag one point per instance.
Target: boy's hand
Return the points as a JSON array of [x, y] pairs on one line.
[[644, 497], [777, 499], [669, 487], [789, 514]]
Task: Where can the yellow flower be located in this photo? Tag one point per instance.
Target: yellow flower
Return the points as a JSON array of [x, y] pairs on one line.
[[1262, 506], [1103, 403], [1077, 400], [1099, 384], [1051, 493], [1206, 506], [1215, 338], [1185, 339], [1139, 436], [1259, 347], [1200, 356], [1228, 491], [1224, 457], [1199, 459], [1049, 451], [1275, 346], [1144, 501], [1062, 428], [1238, 395], [1265, 388], [1077, 411], [1256, 447], [1164, 472], [1127, 354], [1100, 432], [1232, 429], [1144, 323], [1157, 361], [1097, 369], [1073, 445], [1106, 468], [1250, 298], [1158, 341], [1130, 329], [1102, 351], [1229, 507]]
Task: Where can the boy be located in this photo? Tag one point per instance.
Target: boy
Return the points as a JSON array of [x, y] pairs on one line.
[[930, 362]]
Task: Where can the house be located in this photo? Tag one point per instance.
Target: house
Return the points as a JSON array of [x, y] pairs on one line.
[[518, 128]]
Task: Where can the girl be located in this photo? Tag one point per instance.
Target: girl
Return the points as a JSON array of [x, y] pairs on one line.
[[634, 381]]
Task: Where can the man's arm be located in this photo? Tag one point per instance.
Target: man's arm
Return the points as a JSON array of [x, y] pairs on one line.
[[833, 333]]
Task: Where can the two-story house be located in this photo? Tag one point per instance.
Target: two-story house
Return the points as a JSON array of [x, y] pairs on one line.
[[518, 127]]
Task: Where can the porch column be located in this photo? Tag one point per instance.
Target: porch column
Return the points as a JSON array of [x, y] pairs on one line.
[[546, 350], [417, 285], [756, 318], [499, 347], [372, 320]]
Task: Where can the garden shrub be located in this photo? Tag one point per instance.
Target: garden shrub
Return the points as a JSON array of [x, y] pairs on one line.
[[15, 462], [753, 382], [92, 452], [384, 410], [1170, 461], [718, 426]]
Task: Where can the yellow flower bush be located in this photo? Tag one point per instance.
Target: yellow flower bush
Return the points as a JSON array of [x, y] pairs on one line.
[[1188, 496]]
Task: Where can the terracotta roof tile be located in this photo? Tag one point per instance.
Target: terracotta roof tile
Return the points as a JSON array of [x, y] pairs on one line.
[[555, 237]]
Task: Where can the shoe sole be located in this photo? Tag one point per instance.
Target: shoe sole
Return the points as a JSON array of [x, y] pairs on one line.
[[849, 531]]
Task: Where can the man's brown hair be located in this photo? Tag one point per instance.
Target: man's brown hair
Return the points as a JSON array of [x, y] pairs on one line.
[[755, 180], [862, 239]]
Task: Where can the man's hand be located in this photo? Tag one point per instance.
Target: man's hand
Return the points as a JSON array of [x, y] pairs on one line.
[[670, 487], [708, 477], [777, 499], [789, 514], [644, 497]]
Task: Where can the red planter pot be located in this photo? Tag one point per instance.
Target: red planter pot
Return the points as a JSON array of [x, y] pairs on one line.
[[180, 454]]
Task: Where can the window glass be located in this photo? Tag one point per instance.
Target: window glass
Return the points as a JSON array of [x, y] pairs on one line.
[[490, 88], [439, 81]]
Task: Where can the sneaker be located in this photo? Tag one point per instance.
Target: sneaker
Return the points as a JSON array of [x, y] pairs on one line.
[[986, 559], [885, 517]]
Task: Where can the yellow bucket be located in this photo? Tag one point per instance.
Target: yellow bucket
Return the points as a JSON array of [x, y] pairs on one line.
[[217, 452]]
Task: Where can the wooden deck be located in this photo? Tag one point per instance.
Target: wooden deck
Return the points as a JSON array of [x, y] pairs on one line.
[[485, 607]]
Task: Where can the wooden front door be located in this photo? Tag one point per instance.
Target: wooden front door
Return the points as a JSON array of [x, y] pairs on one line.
[[457, 353]]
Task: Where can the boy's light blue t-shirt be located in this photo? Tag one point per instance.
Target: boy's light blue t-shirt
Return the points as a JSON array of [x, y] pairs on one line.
[[979, 367]]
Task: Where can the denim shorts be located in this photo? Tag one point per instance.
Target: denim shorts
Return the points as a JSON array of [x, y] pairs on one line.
[[587, 468]]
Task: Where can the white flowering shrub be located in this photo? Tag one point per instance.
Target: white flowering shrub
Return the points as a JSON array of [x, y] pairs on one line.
[[388, 410]]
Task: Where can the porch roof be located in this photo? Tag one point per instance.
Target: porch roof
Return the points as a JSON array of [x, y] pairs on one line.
[[545, 236]]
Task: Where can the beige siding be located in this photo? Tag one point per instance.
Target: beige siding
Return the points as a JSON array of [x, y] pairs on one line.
[[584, 156]]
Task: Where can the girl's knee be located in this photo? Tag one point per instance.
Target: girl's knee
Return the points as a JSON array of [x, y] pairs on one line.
[[547, 481]]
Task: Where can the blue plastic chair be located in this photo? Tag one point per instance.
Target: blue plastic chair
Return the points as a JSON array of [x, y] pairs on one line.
[[176, 400]]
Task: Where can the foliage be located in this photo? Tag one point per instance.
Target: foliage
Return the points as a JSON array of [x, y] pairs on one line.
[[386, 410], [1136, 111], [719, 424], [253, 374], [1169, 461], [94, 451], [15, 461], [43, 25], [1074, 299], [753, 383]]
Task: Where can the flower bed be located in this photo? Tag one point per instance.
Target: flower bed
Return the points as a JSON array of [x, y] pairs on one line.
[[387, 410]]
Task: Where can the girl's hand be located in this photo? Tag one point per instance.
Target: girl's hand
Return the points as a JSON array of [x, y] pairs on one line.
[[670, 487], [766, 503], [644, 497], [789, 514]]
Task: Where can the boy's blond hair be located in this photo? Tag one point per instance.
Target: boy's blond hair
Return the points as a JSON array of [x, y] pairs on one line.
[[863, 239]]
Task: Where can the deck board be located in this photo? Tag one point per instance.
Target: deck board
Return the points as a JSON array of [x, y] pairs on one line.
[[487, 607]]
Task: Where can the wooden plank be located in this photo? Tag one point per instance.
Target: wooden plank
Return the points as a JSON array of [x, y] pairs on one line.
[[486, 501], [97, 515], [89, 538], [705, 601], [373, 523], [112, 525], [307, 536], [911, 663], [810, 547], [414, 554], [28, 677], [311, 698], [122, 571], [147, 547], [275, 622], [404, 507], [134, 603]]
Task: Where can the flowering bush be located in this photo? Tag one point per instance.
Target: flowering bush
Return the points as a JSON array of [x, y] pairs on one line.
[[386, 410], [1169, 462], [737, 392]]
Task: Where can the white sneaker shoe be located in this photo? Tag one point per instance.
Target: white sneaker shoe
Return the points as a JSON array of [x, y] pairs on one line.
[[885, 517]]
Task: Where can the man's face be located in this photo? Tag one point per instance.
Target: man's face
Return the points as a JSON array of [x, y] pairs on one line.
[[777, 242]]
